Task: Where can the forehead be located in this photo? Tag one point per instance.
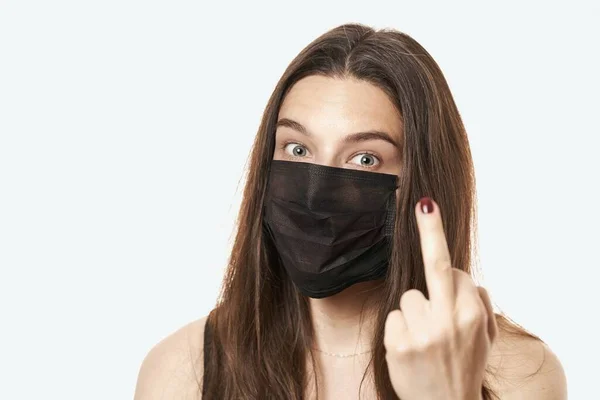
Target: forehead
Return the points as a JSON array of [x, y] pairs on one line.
[[346, 104]]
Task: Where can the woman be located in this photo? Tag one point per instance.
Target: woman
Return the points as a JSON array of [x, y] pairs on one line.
[[359, 199]]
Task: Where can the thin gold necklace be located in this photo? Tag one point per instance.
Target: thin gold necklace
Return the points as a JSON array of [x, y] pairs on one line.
[[342, 355]]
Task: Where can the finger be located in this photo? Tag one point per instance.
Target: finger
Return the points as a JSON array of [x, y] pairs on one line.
[[468, 304], [492, 324], [464, 286], [414, 308], [436, 256], [396, 336]]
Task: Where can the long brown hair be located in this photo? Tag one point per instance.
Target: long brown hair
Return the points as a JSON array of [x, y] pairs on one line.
[[261, 327]]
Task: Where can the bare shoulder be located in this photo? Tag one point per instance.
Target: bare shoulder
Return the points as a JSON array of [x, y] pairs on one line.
[[173, 368], [523, 367]]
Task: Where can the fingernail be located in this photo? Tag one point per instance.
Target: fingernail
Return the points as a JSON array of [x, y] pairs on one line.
[[426, 205]]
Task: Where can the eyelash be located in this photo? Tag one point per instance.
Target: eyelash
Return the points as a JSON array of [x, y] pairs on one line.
[[287, 143], [370, 153]]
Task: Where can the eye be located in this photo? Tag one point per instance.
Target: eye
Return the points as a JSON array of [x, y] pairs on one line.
[[365, 160], [296, 150]]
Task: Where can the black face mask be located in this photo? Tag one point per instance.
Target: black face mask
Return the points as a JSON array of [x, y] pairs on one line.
[[332, 227]]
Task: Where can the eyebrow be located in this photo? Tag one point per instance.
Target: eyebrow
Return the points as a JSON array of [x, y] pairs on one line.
[[351, 138]]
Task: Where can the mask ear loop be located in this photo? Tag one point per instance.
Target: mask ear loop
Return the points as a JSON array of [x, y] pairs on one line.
[[390, 219]]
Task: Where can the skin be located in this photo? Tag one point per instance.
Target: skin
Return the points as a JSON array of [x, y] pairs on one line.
[[437, 348]]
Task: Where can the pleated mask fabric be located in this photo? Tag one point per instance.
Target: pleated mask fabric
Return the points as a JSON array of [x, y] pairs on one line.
[[332, 227]]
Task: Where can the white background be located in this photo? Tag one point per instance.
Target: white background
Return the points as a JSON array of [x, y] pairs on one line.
[[125, 127]]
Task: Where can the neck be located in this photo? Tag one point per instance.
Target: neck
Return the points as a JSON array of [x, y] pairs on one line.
[[338, 324]]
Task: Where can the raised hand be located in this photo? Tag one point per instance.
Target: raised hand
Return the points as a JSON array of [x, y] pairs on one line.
[[438, 348]]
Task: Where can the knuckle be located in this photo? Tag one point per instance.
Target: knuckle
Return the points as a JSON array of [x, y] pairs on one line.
[[472, 317], [421, 346], [482, 291], [393, 315], [441, 337], [395, 349], [440, 262], [409, 298], [393, 322], [403, 351], [431, 340], [426, 343]]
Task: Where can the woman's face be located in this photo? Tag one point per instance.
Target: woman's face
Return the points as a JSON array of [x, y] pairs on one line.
[[343, 123]]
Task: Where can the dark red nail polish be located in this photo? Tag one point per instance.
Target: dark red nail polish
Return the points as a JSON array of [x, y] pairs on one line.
[[426, 205]]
